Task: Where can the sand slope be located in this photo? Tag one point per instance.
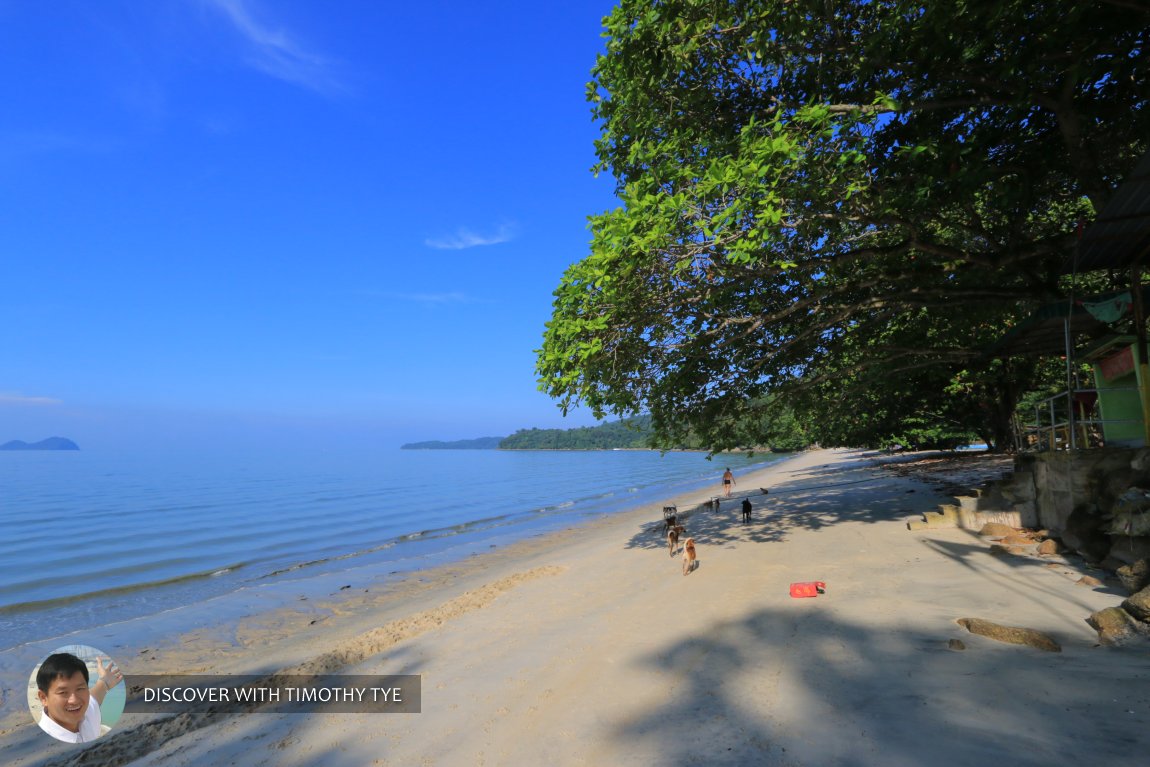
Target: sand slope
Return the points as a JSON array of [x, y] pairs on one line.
[[591, 648]]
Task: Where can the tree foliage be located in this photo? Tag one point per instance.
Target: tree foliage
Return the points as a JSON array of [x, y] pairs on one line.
[[834, 207]]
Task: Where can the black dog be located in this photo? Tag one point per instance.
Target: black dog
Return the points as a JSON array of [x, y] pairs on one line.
[[746, 509]]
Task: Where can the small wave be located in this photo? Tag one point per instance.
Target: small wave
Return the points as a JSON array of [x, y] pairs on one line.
[[44, 604]]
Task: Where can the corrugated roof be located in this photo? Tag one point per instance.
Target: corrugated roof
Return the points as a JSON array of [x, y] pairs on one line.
[[1120, 235]]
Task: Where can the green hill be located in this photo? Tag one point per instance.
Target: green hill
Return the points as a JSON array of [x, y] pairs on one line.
[[629, 433]]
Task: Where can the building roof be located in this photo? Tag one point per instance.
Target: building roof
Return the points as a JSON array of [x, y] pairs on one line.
[[1120, 236]]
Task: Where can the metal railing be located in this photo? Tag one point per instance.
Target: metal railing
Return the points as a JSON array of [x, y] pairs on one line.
[[1071, 420]]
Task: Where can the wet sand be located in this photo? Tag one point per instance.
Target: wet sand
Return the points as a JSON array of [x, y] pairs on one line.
[[589, 647]]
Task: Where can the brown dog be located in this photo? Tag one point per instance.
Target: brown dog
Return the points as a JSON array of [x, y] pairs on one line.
[[689, 557], [673, 537]]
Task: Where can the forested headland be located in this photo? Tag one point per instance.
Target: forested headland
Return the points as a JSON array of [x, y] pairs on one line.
[[625, 434]]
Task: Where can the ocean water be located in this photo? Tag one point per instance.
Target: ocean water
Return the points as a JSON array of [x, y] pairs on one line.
[[91, 539]]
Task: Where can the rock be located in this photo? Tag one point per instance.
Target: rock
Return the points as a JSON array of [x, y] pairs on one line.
[[956, 644], [1083, 533], [1010, 634], [1134, 501], [1129, 549], [1114, 625], [1088, 580], [1049, 547], [996, 530], [1135, 577], [1017, 539], [1113, 484], [1016, 550], [1138, 604]]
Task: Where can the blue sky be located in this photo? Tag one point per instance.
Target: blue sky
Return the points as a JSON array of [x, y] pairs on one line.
[[289, 219]]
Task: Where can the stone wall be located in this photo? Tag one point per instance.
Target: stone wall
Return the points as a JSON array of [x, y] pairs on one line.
[[1093, 500], [1097, 502]]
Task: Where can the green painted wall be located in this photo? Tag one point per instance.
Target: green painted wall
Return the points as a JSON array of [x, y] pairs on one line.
[[1118, 400]]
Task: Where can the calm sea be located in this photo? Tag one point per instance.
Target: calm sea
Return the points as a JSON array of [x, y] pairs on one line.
[[91, 539]]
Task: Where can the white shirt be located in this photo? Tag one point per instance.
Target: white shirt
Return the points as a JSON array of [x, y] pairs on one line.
[[89, 727]]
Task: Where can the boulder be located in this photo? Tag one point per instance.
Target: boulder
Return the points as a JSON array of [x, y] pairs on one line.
[[1129, 549], [1138, 605], [1088, 580], [1114, 625], [1017, 539], [1135, 577], [1048, 547], [1112, 484], [996, 530], [1010, 634]]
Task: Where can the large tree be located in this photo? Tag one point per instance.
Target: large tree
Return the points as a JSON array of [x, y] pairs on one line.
[[837, 205]]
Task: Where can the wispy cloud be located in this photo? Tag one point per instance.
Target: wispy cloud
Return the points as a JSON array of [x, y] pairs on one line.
[[276, 53], [14, 398], [465, 238]]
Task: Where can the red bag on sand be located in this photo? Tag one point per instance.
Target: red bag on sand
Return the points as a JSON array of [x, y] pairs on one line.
[[808, 589]]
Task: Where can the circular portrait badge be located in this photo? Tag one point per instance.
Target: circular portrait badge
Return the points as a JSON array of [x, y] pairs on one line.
[[76, 694]]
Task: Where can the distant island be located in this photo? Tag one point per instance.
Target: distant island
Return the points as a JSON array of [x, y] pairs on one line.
[[482, 443], [52, 443]]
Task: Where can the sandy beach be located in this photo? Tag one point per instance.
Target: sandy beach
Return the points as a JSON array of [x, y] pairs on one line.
[[589, 647]]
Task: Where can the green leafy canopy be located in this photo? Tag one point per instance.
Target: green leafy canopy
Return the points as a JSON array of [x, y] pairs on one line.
[[834, 207]]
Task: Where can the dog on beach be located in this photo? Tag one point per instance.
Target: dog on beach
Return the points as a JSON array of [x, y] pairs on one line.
[[746, 509], [673, 537], [689, 558]]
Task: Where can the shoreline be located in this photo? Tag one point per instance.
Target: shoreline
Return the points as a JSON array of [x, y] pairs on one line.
[[401, 539], [588, 646], [316, 603]]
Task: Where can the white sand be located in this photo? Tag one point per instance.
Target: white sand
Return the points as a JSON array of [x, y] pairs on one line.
[[590, 647]]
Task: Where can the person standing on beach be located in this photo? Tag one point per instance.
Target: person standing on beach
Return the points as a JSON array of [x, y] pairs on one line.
[[728, 482]]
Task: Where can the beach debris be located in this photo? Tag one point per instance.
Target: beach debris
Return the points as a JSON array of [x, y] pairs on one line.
[[808, 589], [1135, 577], [956, 644], [1010, 634], [1115, 626], [345, 588], [995, 530]]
